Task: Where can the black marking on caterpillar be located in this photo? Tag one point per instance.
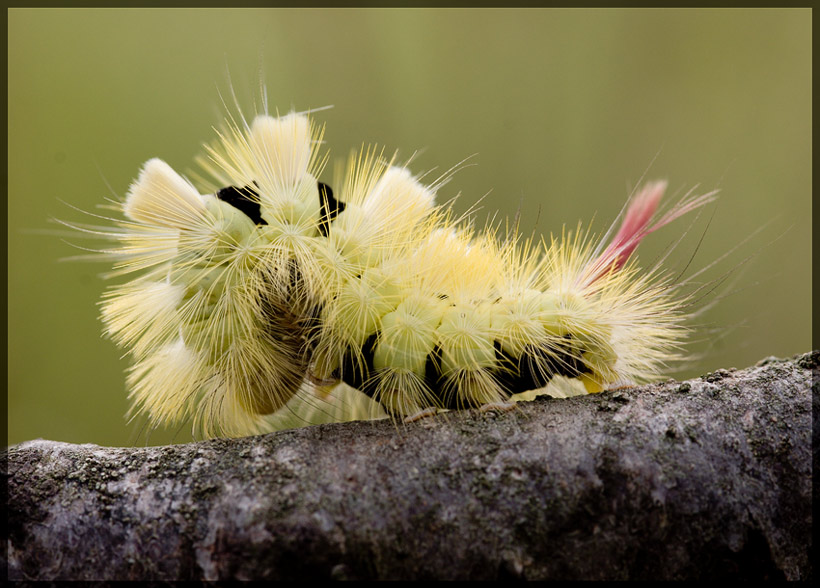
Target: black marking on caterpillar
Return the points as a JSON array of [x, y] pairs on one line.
[[356, 370], [432, 369], [560, 360], [537, 365], [245, 200], [331, 208]]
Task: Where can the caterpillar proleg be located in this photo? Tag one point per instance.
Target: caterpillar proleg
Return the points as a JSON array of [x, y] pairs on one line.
[[254, 292]]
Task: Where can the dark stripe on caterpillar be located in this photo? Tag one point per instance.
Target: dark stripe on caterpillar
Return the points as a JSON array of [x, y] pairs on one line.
[[245, 200], [331, 208]]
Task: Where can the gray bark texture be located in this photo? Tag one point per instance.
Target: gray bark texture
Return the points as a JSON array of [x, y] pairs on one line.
[[704, 479]]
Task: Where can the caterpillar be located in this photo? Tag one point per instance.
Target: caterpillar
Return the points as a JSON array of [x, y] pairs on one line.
[[252, 294]]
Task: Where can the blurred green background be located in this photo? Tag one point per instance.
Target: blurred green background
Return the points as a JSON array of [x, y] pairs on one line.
[[565, 110]]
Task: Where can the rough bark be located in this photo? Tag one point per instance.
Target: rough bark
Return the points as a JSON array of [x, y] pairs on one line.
[[709, 478]]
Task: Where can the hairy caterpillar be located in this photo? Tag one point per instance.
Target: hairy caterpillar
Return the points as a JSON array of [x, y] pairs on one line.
[[254, 293]]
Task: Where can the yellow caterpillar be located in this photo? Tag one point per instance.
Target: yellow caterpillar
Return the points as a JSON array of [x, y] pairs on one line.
[[251, 295]]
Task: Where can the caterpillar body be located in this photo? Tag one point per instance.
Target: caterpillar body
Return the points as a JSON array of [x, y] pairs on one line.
[[257, 291]]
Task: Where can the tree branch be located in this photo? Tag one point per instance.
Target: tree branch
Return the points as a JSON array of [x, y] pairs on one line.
[[709, 478]]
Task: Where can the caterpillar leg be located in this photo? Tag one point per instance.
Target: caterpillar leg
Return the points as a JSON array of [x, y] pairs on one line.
[[422, 414], [500, 407]]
